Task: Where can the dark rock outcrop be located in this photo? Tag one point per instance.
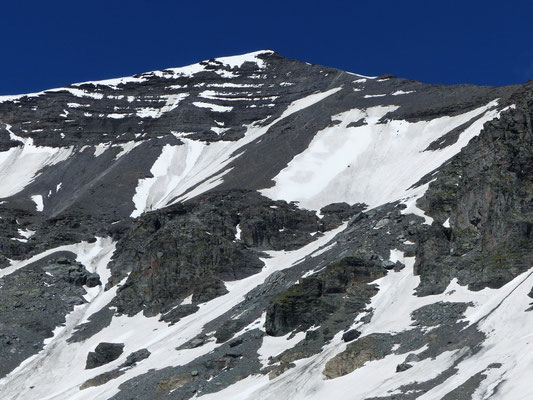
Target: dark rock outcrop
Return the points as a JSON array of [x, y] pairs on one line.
[[103, 354], [486, 193], [33, 302], [191, 249], [308, 303]]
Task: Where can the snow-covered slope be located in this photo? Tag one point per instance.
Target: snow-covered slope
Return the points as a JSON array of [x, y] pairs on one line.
[[254, 227]]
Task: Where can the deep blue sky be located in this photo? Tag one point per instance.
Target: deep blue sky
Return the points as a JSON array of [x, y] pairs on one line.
[[48, 44]]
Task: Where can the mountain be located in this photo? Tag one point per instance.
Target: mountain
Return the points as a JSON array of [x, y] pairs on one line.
[[256, 227]]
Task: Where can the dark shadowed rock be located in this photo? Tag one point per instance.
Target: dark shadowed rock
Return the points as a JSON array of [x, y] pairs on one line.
[[103, 354], [351, 335]]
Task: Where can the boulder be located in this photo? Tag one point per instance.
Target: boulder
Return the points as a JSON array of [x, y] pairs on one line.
[[103, 354]]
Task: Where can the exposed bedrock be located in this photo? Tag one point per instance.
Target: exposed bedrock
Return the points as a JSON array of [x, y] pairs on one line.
[[192, 249], [34, 301], [482, 203]]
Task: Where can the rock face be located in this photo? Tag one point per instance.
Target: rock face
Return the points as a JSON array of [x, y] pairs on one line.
[[357, 354], [33, 301], [247, 226], [190, 250], [343, 284], [486, 193]]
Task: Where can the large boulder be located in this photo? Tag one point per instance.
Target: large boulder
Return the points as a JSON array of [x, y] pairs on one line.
[[103, 354]]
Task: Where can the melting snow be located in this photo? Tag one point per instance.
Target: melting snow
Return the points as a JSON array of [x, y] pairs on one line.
[[399, 92], [26, 233], [196, 164], [38, 200], [213, 107], [20, 165], [375, 163], [169, 172], [238, 234]]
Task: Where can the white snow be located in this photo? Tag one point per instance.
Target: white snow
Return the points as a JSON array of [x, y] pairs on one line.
[[19, 166], [195, 163], [147, 112], [77, 92], [308, 101], [186, 71], [375, 163], [213, 107], [77, 105], [410, 202], [237, 61], [117, 116], [499, 313], [169, 173], [399, 92], [38, 200], [218, 130], [100, 148], [26, 233], [273, 346], [238, 234], [368, 96], [81, 249], [172, 101], [235, 85], [127, 147]]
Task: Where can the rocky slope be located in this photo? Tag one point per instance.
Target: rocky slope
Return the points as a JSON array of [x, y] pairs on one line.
[[255, 227]]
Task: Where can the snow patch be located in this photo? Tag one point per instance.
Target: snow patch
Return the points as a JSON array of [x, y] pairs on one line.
[[400, 92], [212, 107], [38, 200]]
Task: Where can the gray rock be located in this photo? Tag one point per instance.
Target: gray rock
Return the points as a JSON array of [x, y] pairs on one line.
[[351, 335], [135, 357], [412, 358], [403, 367], [103, 354]]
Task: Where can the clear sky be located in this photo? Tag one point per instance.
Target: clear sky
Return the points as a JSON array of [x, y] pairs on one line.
[[47, 44]]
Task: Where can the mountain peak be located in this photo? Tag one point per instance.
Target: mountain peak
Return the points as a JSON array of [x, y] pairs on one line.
[[256, 227]]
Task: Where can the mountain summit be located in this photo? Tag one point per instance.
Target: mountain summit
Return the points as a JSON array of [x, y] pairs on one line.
[[256, 227]]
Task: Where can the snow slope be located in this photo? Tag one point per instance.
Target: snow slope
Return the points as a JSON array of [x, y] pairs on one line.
[[494, 310], [197, 165], [375, 163]]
